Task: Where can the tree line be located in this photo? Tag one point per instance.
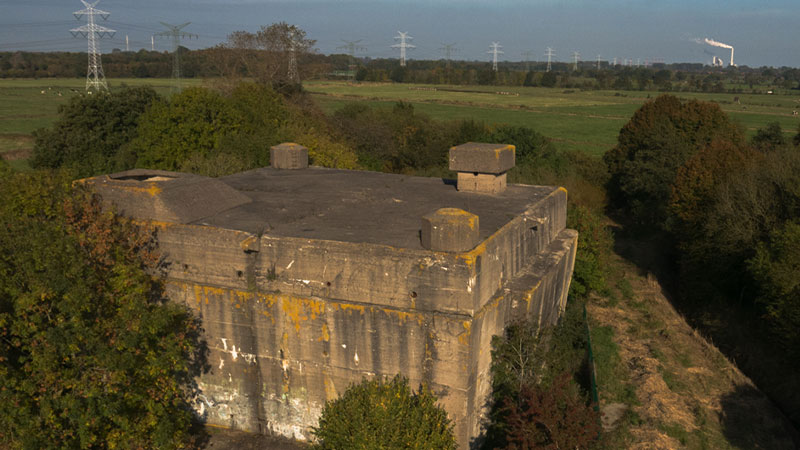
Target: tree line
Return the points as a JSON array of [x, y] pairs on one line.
[[727, 211]]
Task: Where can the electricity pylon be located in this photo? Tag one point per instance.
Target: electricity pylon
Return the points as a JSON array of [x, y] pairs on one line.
[[292, 74], [527, 54], [495, 50], [403, 45], [94, 75], [576, 57], [448, 50], [352, 47], [549, 53], [176, 34]]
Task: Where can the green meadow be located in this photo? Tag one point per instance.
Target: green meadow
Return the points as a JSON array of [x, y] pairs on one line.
[[587, 121], [29, 104], [577, 120]]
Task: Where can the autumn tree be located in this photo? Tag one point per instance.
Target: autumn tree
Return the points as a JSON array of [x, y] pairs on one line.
[[91, 353], [660, 137]]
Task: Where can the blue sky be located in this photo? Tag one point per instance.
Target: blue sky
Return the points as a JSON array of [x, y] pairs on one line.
[[762, 32]]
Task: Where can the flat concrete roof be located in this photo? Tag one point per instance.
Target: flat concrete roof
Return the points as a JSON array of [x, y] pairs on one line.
[[358, 206]]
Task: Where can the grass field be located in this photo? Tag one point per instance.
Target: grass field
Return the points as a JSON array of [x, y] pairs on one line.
[[582, 120], [588, 121], [28, 104]]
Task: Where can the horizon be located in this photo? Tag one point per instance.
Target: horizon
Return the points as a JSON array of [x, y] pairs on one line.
[[622, 29]]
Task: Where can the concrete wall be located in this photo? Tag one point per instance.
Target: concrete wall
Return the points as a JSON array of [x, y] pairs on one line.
[[291, 323]]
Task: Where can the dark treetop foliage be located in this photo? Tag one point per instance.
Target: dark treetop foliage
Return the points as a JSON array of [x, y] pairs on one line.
[[91, 130], [660, 137], [384, 415], [91, 356]]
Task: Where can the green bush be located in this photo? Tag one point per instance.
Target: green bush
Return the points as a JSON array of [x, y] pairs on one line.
[[193, 121], [91, 354], [384, 415], [91, 131], [594, 249]]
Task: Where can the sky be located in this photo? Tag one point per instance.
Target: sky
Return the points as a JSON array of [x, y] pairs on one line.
[[763, 33]]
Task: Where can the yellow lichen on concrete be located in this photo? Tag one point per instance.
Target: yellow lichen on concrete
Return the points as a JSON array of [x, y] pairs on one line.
[[151, 189], [463, 338], [349, 307], [299, 309], [404, 316], [325, 335]]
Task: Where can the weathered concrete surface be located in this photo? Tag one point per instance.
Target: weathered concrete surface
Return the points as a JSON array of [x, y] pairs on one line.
[[320, 279], [288, 156], [482, 158], [450, 230]]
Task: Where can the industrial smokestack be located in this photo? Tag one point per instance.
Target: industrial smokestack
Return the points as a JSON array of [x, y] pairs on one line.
[[719, 44]]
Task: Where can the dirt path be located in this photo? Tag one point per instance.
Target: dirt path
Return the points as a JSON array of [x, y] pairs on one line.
[[688, 395]]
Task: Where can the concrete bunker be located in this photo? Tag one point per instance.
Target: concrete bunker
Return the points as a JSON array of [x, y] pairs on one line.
[[309, 279]]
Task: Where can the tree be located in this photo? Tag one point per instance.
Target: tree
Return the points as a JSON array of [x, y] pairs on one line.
[[660, 137], [769, 138], [91, 130], [384, 415], [555, 417], [538, 405], [264, 55], [194, 121], [91, 353]]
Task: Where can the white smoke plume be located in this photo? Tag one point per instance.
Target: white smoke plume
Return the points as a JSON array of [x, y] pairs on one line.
[[715, 43]]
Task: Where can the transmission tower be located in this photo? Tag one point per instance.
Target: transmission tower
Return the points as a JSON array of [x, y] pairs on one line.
[[598, 62], [448, 50], [176, 34], [292, 74], [403, 45], [94, 75], [575, 57], [352, 47], [527, 54], [495, 50], [549, 53]]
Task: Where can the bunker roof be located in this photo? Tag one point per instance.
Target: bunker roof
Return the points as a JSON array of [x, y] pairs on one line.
[[312, 203]]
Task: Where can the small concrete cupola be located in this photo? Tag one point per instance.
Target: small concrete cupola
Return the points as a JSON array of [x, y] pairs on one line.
[[288, 156], [450, 230], [482, 167]]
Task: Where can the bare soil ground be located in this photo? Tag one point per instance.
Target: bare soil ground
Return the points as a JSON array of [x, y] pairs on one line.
[[687, 394]]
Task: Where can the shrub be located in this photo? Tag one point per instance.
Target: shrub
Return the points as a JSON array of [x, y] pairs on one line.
[[194, 121], [554, 417], [594, 248], [384, 415], [91, 355], [91, 130]]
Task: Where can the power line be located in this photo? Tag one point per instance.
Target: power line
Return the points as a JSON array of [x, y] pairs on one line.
[[174, 32], [352, 47], [527, 54], [403, 45], [448, 50], [495, 50], [94, 75]]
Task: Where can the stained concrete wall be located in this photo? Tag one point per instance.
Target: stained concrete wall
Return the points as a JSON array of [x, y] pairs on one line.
[[291, 323]]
